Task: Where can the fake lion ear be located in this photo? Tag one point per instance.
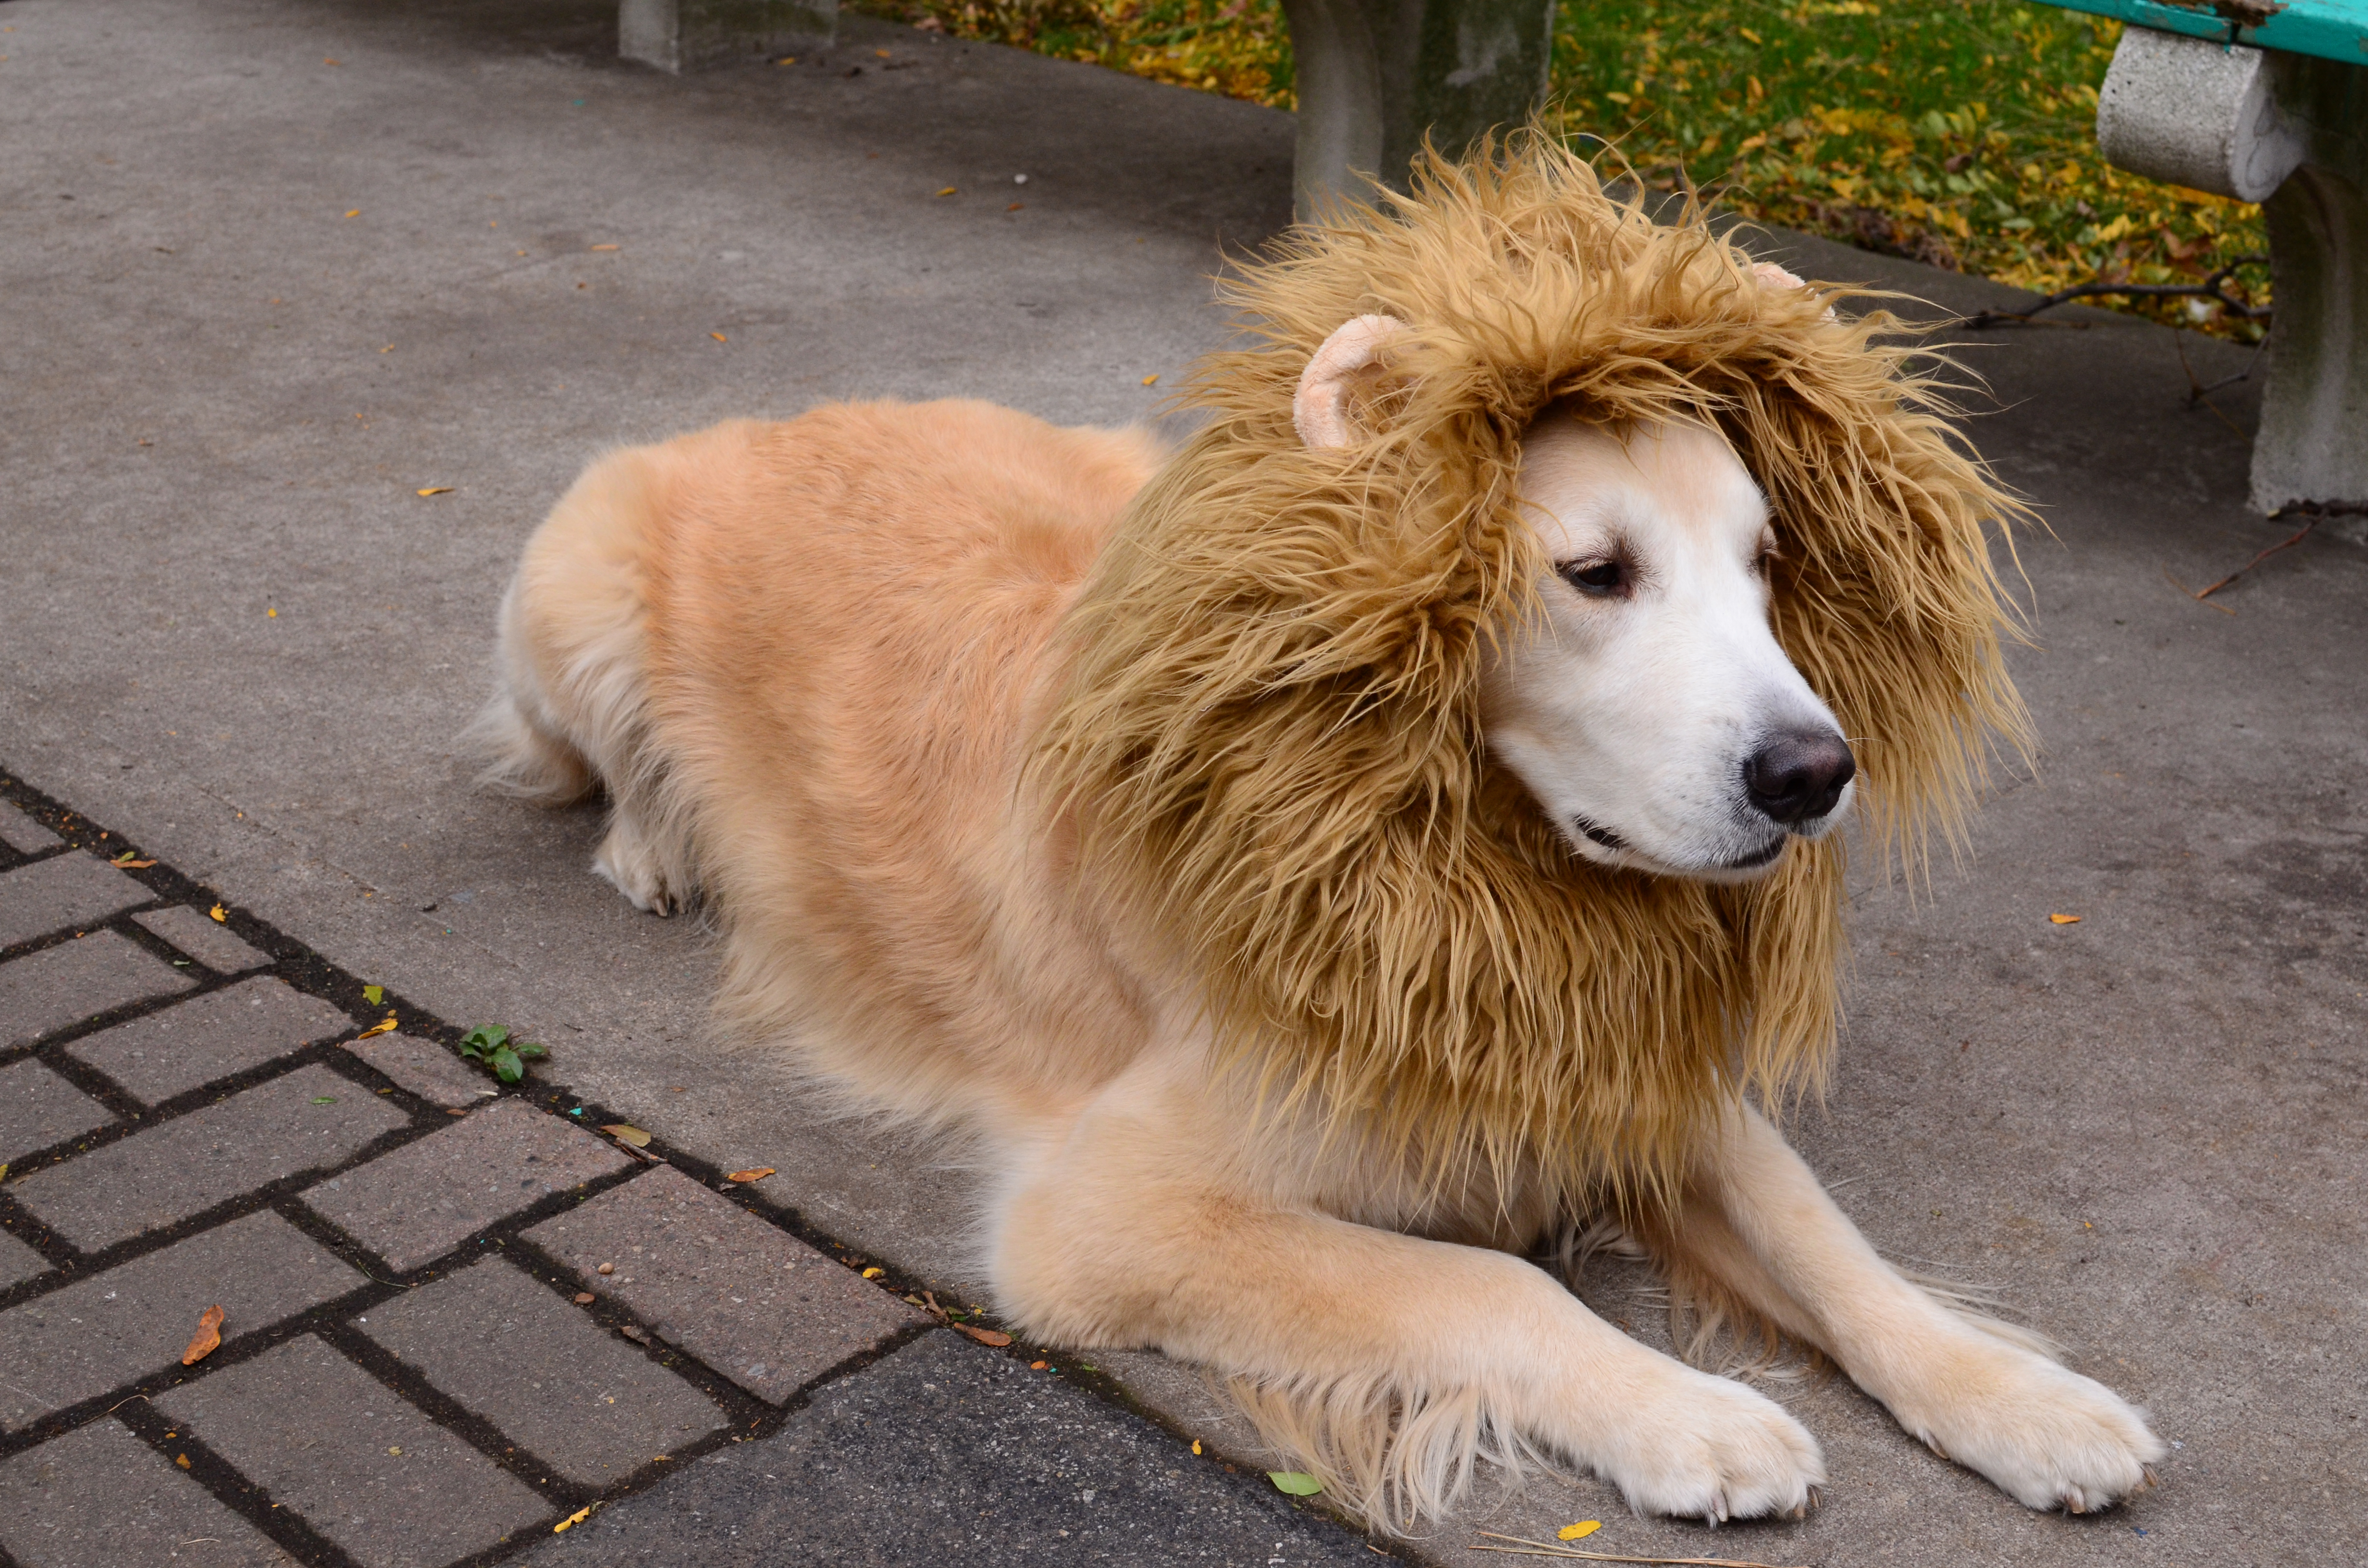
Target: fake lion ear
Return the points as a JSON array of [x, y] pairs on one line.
[[1768, 275], [1350, 368]]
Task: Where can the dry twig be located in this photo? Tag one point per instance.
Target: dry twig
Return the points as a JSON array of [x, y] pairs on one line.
[[2318, 511], [2214, 288]]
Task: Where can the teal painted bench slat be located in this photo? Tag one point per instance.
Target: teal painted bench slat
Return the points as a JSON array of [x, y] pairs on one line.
[[2272, 109], [2333, 30]]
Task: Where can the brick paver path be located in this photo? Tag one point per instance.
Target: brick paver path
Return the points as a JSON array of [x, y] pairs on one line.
[[455, 1317]]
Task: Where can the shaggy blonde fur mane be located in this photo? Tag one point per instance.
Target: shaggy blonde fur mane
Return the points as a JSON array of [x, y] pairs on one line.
[[1268, 723]]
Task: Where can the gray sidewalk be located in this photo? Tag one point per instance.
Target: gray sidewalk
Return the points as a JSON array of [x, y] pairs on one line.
[[231, 630], [453, 1322]]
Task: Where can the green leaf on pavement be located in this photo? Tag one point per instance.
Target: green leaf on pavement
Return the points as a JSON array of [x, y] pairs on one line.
[[1297, 1482], [374, 994]]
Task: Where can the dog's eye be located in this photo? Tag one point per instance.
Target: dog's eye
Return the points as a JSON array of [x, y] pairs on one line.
[[1597, 579]]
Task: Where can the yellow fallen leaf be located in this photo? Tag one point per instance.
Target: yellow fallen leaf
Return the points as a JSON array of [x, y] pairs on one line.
[[604, 247], [217, 913], [1148, 380], [1575, 1532], [271, 615], [626, 1132], [571, 1521], [2063, 919], [435, 490], [755, 1173], [719, 337], [874, 1272], [881, 52], [181, 1460], [355, 213], [984, 1336], [3, 1170], [381, 1026], [207, 1340], [787, 60], [1196, 1444], [948, 191]]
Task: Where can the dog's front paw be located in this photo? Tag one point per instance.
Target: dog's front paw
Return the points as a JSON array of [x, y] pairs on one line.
[[1707, 1447], [2046, 1435], [627, 865]]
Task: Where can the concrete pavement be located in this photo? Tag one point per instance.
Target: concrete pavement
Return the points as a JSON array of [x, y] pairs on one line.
[[232, 630]]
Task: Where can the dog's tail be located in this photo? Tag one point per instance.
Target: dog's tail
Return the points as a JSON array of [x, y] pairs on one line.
[[568, 711]]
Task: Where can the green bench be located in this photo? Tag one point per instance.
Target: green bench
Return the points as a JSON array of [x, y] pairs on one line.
[[2268, 102]]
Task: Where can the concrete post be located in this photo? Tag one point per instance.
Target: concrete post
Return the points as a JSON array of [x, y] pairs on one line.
[[2313, 444], [1375, 75], [687, 34], [2290, 131]]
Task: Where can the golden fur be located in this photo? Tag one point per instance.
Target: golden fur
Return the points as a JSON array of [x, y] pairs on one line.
[[1271, 720], [1133, 811]]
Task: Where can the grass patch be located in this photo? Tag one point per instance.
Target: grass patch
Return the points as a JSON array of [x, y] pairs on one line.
[[1957, 132]]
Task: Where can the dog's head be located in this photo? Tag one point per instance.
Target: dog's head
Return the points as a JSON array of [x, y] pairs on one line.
[[1646, 704], [1442, 701]]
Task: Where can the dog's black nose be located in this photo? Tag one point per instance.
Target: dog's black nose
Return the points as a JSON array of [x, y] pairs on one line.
[[1797, 776]]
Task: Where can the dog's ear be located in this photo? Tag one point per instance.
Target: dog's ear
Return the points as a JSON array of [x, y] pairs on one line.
[[1340, 382], [1768, 275]]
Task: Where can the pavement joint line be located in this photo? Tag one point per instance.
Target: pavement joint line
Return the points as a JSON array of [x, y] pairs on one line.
[[283, 1527], [749, 1418]]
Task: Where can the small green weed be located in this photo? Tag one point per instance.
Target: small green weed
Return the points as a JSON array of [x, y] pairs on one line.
[[490, 1046]]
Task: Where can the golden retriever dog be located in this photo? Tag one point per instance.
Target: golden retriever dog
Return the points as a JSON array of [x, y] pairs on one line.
[[1327, 866]]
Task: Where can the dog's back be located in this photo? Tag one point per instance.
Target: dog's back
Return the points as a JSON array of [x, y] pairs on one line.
[[799, 657]]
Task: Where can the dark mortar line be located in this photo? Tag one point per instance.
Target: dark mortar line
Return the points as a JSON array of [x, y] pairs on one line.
[[538, 1475], [283, 1527], [131, 929], [498, 1235], [307, 971], [96, 1023], [60, 936], [208, 980], [235, 1351], [131, 1123], [742, 1409], [429, 1113], [11, 857], [121, 1106], [55, 1254], [113, 1254]]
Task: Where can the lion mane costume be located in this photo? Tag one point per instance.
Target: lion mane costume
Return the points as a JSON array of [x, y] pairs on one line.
[[1270, 721]]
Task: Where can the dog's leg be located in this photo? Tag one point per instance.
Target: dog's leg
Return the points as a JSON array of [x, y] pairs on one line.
[[637, 858], [1758, 1225], [1140, 1227]]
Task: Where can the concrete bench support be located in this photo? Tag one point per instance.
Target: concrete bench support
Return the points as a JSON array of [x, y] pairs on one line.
[[2290, 131], [1375, 74], [685, 35]]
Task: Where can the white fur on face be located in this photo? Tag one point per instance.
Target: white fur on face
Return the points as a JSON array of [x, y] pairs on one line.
[[1632, 706]]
